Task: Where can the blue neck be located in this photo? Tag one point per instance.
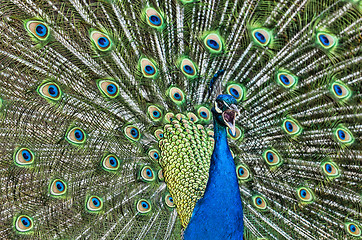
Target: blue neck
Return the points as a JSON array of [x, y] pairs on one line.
[[213, 218]]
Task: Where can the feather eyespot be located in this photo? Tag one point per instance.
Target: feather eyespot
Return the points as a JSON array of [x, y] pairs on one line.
[[110, 162], [238, 133], [154, 18], [204, 114], [38, 29], [148, 68], [326, 40], [24, 157], [286, 80], [340, 90], [192, 117], [292, 127], [58, 188], [108, 88], [154, 154], [330, 169], [94, 204], [76, 136], [132, 133], [272, 157], [101, 40], [176, 95], [155, 113], [169, 201], [237, 91], [259, 202], [243, 173], [353, 229], [147, 174], [261, 36], [160, 175], [159, 134], [169, 117], [188, 68], [50, 91], [213, 43], [343, 135], [305, 195], [143, 206], [23, 223]]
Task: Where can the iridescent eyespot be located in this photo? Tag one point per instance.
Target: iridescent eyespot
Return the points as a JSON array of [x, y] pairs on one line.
[[169, 201], [132, 133], [243, 172], [23, 223], [340, 90], [210, 133], [213, 43], [259, 202], [94, 204], [143, 206], [50, 91], [204, 114], [24, 157], [326, 40], [286, 80], [353, 229], [292, 127], [343, 135], [188, 68], [237, 91], [238, 133], [148, 68], [108, 88], [261, 36], [169, 117], [101, 41], [154, 154], [330, 169], [272, 157], [147, 174], [76, 136], [154, 18], [110, 162], [38, 29], [159, 134], [305, 195], [58, 188], [155, 113], [160, 175], [192, 117], [176, 95]]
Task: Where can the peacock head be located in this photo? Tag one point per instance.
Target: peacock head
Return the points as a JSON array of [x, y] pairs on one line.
[[225, 111]]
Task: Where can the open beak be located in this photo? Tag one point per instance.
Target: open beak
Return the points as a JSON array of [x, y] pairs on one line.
[[229, 117]]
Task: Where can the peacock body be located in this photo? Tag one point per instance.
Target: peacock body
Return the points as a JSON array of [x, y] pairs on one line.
[[117, 119]]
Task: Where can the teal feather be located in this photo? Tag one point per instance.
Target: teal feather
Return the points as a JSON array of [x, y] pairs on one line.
[[106, 108]]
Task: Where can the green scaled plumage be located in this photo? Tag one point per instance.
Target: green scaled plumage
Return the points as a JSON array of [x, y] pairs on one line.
[[106, 123]]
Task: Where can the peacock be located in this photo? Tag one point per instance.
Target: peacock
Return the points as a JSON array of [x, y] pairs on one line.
[[181, 119]]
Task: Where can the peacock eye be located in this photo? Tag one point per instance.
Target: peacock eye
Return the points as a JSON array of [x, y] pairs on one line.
[[154, 18], [159, 134], [154, 154], [169, 117], [286, 80], [110, 162], [147, 174], [24, 157], [143, 206], [243, 172], [188, 68], [305, 195], [176, 95], [259, 202], [272, 157], [148, 68], [353, 229], [343, 135], [38, 29], [292, 127], [132, 133], [160, 175], [155, 113], [330, 169], [340, 90], [237, 91], [58, 188], [204, 114], [238, 133], [76, 136], [94, 204], [261, 36], [192, 117], [108, 88], [169, 201], [326, 40], [50, 91], [101, 41], [213, 43], [23, 223]]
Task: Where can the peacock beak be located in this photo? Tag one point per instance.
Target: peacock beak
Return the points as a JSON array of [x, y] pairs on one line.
[[229, 117]]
